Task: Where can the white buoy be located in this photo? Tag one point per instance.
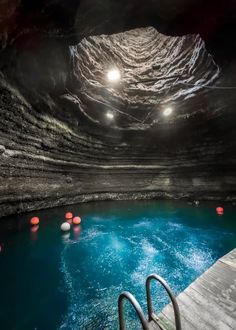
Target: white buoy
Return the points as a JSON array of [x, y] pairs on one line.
[[65, 226]]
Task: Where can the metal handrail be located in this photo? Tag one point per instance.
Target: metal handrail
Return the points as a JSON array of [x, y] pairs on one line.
[[127, 295], [151, 314]]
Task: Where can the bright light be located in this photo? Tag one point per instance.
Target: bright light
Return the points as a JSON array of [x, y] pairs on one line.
[[110, 115], [113, 75], [167, 112]]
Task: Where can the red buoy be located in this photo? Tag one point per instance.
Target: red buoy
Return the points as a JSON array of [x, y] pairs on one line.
[[219, 210], [68, 215], [76, 220], [34, 221]]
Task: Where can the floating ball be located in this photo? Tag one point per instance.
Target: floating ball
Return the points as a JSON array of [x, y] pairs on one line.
[[76, 220], [219, 210], [65, 226], [34, 221], [68, 215]]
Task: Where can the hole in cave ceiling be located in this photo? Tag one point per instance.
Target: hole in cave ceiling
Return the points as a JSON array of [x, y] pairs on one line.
[[152, 72]]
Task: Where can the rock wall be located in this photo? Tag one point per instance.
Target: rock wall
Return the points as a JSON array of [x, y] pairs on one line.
[[58, 147]]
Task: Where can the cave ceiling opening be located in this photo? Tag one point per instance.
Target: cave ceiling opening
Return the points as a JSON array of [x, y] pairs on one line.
[[156, 71]]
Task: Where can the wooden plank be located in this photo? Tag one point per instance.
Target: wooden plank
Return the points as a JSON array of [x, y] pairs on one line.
[[214, 281], [209, 303], [187, 323], [154, 326], [229, 257], [210, 313], [165, 322], [195, 312], [225, 296]]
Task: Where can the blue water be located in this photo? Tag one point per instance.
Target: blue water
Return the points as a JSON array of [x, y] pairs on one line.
[[54, 281]]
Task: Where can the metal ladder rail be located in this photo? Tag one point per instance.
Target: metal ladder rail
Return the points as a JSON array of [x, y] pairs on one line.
[[151, 315], [127, 295]]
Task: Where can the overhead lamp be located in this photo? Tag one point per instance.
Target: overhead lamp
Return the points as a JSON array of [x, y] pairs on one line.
[[113, 75], [167, 112], [110, 115]]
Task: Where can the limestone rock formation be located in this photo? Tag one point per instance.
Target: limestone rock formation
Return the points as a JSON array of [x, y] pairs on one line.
[[57, 146]]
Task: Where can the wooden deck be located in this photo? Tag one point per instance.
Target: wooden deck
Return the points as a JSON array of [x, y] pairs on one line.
[[209, 303]]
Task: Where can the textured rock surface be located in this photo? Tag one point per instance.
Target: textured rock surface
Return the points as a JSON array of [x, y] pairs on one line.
[[157, 72], [56, 144]]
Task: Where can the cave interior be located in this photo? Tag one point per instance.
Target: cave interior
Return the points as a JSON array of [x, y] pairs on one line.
[[112, 100]]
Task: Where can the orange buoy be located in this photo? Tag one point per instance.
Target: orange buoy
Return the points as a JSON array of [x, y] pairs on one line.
[[68, 215], [34, 221], [219, 210], [76, 220]]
